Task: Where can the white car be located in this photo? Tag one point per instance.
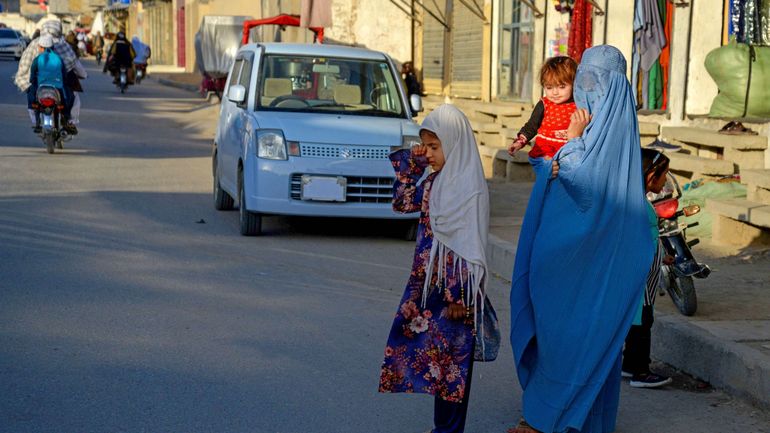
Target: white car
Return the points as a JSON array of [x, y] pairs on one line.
[[11, 44], [306, 129]]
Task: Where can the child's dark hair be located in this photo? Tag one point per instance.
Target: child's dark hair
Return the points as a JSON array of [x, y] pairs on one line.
[[654, 162], [558, 70]]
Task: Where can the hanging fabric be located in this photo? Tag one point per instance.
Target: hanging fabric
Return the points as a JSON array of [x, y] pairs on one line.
[[655, 93], [665, 54], [580, 29], [764, 14], [635, 59]]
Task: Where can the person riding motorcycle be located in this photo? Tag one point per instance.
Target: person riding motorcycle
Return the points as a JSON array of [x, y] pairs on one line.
[[47, 69], [71, 64], [143, 53], [98, 44], [121, 54]]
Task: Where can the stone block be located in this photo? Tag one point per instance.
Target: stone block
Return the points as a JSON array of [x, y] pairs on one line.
[[728, 231], [746, 159], [518, 172], [698, 166], [705, 137]]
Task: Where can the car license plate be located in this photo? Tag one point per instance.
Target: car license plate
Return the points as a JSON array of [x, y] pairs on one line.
[[323, 188]]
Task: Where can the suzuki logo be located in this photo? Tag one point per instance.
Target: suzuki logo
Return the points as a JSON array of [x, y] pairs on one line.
[[346, 153]]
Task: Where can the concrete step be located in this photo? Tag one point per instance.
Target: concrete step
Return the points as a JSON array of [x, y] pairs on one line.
[[739, 222], [704, 137], [757, 185], [651, 129], [691, 166]]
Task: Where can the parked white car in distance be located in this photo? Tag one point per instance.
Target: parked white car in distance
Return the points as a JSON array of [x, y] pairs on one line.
[[11, 44]]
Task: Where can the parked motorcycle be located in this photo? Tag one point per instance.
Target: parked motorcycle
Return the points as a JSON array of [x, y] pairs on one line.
[[141, 71], [49, 108], [677, 278]]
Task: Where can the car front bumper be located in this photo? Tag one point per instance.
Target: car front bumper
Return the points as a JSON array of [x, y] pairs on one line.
[[274, 187]]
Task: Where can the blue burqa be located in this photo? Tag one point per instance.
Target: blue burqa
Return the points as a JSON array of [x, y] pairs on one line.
[[582, 259]]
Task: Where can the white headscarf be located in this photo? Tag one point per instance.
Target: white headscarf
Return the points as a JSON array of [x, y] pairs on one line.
[[459, 202]]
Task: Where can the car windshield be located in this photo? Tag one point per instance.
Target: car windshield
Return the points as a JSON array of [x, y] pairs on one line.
[[329, 85], [7, 34]]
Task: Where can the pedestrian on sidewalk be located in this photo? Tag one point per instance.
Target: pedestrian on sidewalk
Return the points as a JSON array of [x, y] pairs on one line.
[[582, 259], [636, 354], [431, 344], [551, 117]]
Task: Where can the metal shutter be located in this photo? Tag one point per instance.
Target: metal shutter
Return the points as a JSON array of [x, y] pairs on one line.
[[467, 47], [433, 53]]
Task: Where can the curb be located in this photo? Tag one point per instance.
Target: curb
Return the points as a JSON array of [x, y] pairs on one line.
[[183, 86], [736, 368]]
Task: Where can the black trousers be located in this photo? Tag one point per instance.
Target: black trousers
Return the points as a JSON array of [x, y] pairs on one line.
[[636, 354], [450, 417]]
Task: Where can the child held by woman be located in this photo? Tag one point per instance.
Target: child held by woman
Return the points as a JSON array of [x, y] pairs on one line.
[[551, 116]]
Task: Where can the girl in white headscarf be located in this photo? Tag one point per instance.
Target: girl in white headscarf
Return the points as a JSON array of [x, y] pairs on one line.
[[432, 340]]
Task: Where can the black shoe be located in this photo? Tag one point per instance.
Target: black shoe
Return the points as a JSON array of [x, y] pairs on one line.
[[649, 380], [71, 129], [37, 129]]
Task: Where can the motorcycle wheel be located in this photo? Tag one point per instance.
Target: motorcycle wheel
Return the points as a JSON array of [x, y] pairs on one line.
[[49, 142], [682, 292]]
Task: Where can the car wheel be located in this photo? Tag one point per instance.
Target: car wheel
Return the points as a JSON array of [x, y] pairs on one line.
[[250, 222], [222, 200]]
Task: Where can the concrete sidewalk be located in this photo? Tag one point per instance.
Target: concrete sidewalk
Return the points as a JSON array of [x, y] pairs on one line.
[[726, 343]]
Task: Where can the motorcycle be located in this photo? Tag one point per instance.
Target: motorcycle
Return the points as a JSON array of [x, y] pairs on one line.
[[141, 71], [123, 79], [49, 108], [677, 277]]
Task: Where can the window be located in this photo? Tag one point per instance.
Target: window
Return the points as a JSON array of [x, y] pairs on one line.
[[245, 78], [516, 39], [329, 85], [235, 75]]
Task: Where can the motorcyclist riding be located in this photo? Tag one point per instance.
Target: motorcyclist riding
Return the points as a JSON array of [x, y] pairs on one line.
[[121, 54], [143, 53], [47, 69], [71, 65], [98, 43]]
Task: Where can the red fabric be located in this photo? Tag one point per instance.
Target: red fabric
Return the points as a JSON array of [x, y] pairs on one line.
[[580, 30], [552, 134], [665, 54]]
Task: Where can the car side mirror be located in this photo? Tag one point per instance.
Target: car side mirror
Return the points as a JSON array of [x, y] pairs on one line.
[[237, 94], [415, 101]]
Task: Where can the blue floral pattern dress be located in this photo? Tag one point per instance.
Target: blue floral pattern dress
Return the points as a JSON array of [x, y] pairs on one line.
[[426, 351]]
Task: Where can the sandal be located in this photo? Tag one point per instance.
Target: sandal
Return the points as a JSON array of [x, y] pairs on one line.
[[736, 128], [522, 427]]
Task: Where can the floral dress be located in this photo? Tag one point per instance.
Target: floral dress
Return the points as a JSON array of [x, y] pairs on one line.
[[426, 351]]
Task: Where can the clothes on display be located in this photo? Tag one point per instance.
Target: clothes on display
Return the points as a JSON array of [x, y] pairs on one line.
[[650, 64], [749, 21], [580, 29]]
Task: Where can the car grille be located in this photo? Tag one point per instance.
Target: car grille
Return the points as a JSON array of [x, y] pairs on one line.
[[310, 150], [359, 189]]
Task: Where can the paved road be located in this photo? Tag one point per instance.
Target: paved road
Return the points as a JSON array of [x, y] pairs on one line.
[[120, 311]]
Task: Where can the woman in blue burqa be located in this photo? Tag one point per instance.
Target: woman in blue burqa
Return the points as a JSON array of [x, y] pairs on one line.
[[582, 259]]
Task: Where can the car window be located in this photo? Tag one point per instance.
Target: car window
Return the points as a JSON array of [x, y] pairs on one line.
[[7, 34], [234, 75], [245, 78], [329, 85]]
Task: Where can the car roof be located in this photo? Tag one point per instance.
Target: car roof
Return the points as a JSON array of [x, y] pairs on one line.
[[323, 50]]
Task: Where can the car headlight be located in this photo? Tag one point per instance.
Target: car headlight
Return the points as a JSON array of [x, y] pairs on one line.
[[407, 142], [271, 144]]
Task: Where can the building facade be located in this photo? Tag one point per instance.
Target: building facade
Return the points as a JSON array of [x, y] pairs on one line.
[[493, 49]]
